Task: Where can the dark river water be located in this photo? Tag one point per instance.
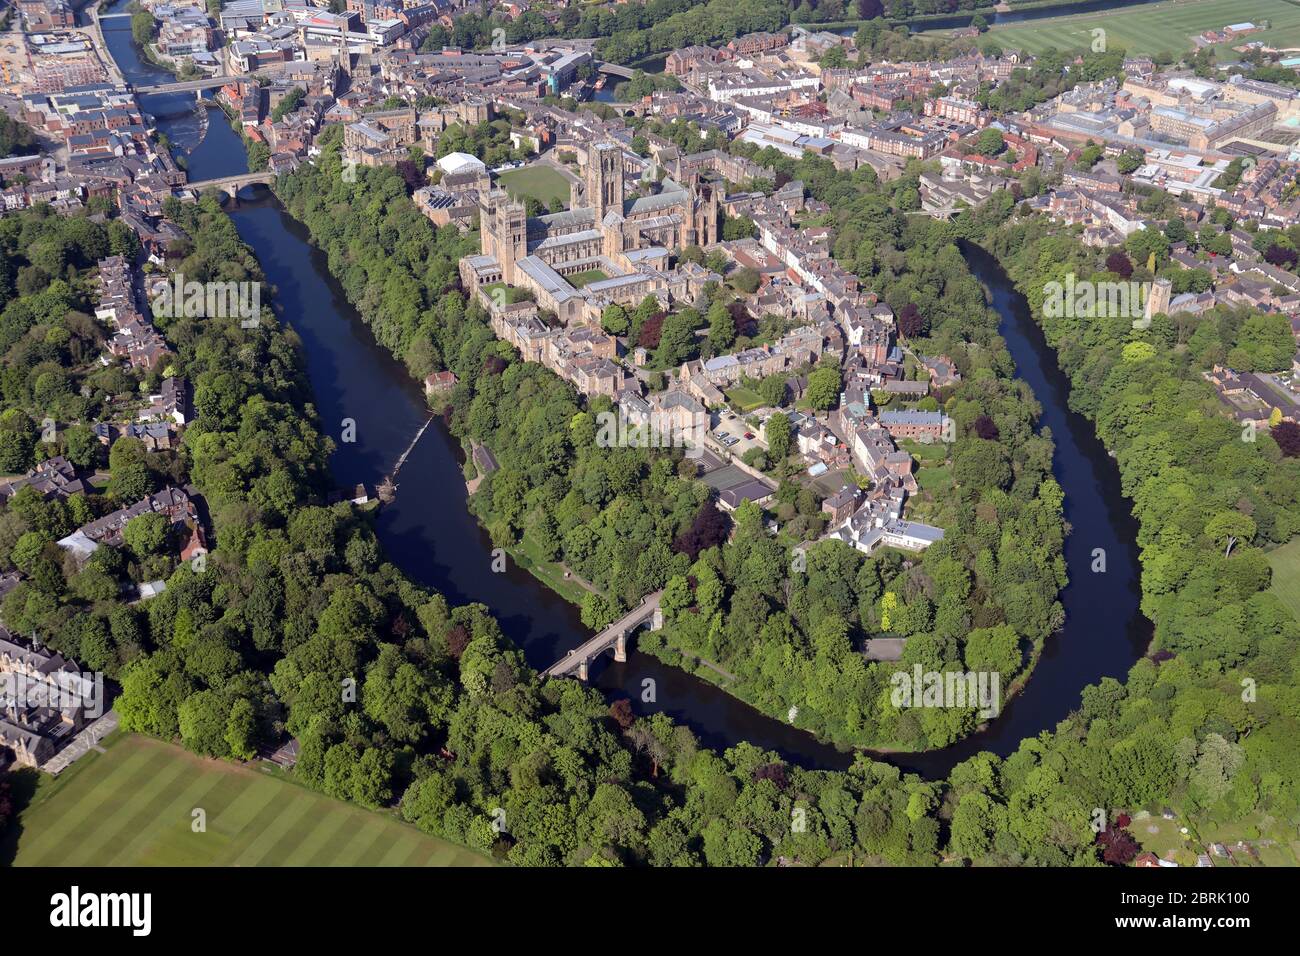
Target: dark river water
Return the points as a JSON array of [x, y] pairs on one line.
[[430, 534]]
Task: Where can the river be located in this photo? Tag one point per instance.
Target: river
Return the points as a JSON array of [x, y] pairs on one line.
[[430, 534]]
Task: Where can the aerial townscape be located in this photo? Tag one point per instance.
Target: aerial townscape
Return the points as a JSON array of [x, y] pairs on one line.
[[650, 433]]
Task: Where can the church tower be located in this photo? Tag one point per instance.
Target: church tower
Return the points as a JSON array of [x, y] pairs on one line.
[[512, 232], [605, 179], [1157, 299], [503, 225], [343, 59], [702, 230]]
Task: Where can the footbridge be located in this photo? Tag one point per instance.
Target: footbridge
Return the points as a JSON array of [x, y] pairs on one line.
[[578, 660], [210, 82], [186, 86], [613, 69]]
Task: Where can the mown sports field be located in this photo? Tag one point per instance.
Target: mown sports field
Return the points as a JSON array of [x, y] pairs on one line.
[[1285, 562], [1157, 28], [132, 806]]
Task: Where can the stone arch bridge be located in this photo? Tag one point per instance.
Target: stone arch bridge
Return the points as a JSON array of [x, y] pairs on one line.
[[230, 185], [614, 637]]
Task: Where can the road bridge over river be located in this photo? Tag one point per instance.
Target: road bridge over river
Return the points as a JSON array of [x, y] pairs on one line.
[[615, 636]]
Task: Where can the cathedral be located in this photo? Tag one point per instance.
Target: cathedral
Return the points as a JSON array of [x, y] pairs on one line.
[[626, 237]]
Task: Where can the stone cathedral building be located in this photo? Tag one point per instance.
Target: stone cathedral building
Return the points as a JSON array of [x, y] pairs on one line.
[[627, 234]]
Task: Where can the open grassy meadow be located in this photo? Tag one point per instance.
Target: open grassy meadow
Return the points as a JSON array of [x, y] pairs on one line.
[[542, 183], [1157, 28], [131, 806], [1285, 562]]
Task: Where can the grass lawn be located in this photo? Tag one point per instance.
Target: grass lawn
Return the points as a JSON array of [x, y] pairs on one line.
[[746, 399], [509, 294], [935, 453], [539, 182], [529, 557], [132, 805], [585, 278], [1285, 562], [1162, 837], [1157, 28], [936, 479]]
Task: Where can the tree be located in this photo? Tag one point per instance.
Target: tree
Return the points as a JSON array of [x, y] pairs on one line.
[[82, 447], [747, 280], [614, 319], [1090, 156], [1146, 243], [717, 261], [911, 324], [651, 332], [976, 823], [993, 650], [740, 227], [677, 596], [241, 730], [203, 718], [1287, 436], [990, 142], [834, 59], [1119, 264], [142, 27], [146, 534], [708, 529], [824, 388], [598, 611], [372, 778], [1128, 162], [1227, 528], [985, 427], [1281, 256], [288, 104], [982, 464], [1118, 846], [777, 433], [677, 339], [1265, 344], [130, 479], [621, 713], [773, 389], [722, 327]]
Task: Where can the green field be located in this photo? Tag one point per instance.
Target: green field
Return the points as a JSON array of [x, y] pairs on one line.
[[1285, 562], [538, 182], [1157, 28], [132, 806]]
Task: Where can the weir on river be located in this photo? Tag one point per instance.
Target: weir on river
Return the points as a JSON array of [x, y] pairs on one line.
[[435, 540], [387, 490]]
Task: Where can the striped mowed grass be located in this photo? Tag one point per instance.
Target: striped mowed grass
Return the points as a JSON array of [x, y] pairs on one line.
[[1285, 562], [1156, 28], [133, 806]]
